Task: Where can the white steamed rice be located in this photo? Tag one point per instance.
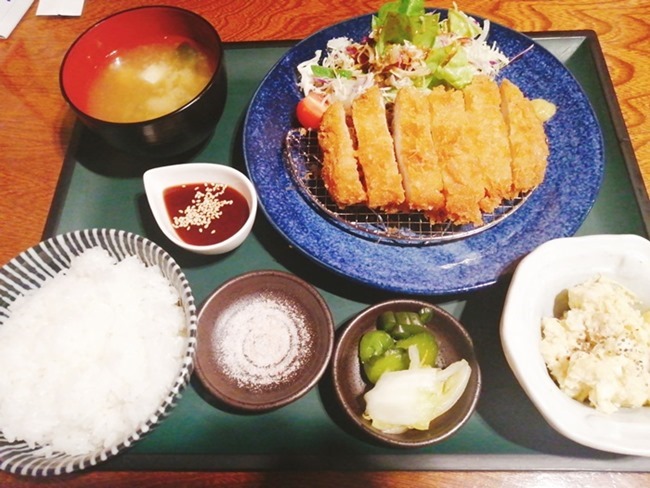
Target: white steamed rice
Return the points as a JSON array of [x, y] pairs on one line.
[[90, 356]]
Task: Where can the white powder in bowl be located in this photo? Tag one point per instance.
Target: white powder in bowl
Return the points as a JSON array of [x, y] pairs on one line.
[[263, 341], [87, 358]]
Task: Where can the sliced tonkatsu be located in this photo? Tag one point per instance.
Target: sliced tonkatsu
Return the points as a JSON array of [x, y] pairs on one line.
[[454, 155], [528, 145], [463, 179], [416, 155], [339, 170], [488, 139], [375, 151]]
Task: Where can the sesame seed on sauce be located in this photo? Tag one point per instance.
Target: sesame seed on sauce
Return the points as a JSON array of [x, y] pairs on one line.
[[205, 213]]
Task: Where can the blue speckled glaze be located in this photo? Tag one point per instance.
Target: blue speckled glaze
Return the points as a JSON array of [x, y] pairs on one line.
[[556, 209]]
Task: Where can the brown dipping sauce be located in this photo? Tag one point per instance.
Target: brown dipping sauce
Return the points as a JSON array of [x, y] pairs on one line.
[[205, 213]]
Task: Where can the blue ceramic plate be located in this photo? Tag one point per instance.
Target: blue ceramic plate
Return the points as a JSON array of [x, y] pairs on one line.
[[556, 208]]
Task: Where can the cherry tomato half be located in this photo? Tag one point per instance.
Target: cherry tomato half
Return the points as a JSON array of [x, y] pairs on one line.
[[310, 110]]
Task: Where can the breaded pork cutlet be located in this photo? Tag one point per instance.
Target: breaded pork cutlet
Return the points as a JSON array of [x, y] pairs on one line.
[[375, 152], [415, 152], [464, 183], [488, 136], [527, 138], [340, 170]]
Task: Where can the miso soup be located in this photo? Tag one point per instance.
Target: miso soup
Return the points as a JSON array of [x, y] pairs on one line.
[[148, 81]]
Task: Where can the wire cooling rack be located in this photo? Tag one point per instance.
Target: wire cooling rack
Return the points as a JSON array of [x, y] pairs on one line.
[[303, 157]]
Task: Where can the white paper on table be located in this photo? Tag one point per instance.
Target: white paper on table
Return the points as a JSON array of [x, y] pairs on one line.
[[11, 11], [68, 8]]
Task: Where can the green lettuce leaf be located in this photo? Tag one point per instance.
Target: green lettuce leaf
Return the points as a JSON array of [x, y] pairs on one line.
[[404, 20], [449, 66], [459, 23], [323, 72]]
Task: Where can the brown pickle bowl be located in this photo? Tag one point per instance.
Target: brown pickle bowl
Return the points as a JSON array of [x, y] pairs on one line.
[[174, 133], [350, 385], [312, 360]]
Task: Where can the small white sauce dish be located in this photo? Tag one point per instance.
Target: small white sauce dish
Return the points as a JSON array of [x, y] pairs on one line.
[[156, 180], [540, 277]]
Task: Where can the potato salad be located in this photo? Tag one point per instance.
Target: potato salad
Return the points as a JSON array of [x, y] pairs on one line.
[[598, 351]]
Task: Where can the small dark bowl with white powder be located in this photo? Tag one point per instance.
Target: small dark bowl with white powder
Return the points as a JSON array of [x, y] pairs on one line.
[[265, 338]]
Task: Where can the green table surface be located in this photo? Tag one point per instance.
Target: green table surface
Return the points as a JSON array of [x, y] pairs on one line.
[[101, 188]]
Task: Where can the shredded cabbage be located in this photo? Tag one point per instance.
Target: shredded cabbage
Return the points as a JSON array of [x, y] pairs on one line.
[[407, 46]]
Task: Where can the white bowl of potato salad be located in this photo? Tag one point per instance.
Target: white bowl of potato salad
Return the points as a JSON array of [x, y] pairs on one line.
[[575, 330]]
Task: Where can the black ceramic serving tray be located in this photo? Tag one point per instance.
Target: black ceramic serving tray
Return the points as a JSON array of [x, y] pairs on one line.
[[101, 188]]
